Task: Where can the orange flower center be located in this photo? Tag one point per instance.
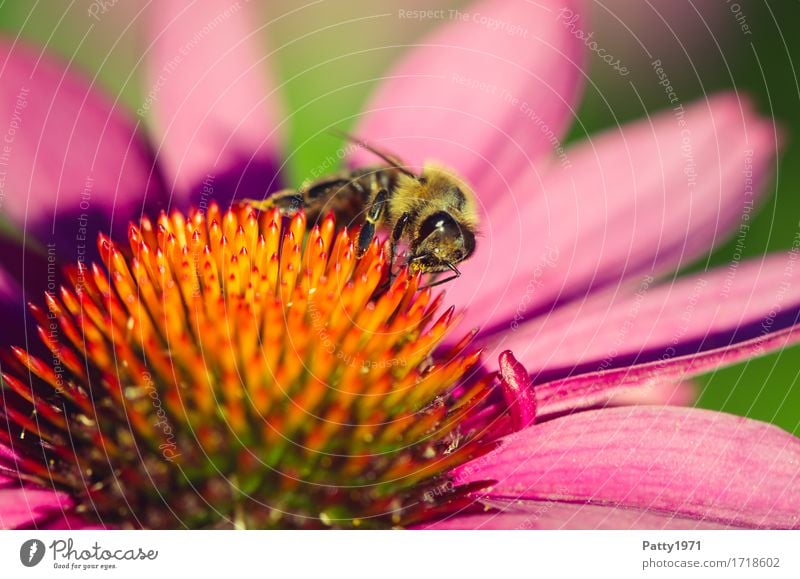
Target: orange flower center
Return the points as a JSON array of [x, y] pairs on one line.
[[237, 369]]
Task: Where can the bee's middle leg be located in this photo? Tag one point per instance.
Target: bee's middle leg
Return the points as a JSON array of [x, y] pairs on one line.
[[287, 201], [374, 216], [397, 234]]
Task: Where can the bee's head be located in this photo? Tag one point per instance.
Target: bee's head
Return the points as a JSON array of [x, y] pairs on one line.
[[440, 242]]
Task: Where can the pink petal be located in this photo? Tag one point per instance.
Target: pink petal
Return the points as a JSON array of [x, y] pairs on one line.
[[624, 208], [9, 288], [615, 328], [23, 507], [682, 393], [641, 383], [527, 514], [67, 151], [691, 463], [70, 522], [27, 507], [14, 320], [486, 94], [216, 114]]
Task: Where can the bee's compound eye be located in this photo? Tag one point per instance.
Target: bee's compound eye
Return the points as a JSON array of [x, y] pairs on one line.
[[442, 223]]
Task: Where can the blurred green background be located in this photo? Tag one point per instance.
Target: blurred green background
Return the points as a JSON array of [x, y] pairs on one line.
[[332, 53]]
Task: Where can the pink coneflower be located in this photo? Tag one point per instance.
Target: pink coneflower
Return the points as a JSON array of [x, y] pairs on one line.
[[228, 368]]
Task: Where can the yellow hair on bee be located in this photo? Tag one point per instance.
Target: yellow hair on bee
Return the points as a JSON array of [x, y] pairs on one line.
[[437, 189]]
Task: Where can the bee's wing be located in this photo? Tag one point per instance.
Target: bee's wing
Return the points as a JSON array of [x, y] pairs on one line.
[[342, 194]]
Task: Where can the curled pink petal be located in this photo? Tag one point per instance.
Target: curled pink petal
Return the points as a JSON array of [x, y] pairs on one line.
[[517, 390], [216, 112], [691, 463], [600, 388], [630, 204], [487, 94], [69, 521], [652, 321], [22, 507]]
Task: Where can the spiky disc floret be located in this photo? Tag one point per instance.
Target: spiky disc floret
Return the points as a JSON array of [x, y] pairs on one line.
[[236, 369]]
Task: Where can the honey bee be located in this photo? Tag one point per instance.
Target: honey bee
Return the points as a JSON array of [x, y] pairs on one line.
[[434, 212]]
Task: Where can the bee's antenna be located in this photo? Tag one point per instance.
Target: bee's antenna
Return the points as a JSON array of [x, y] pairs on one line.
[[390, 159]]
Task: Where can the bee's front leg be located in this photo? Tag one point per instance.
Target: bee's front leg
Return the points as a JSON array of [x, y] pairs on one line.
[[435, 281]]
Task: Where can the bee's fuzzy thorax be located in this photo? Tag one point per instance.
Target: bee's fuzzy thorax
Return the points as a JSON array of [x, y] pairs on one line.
[[436, 189]]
